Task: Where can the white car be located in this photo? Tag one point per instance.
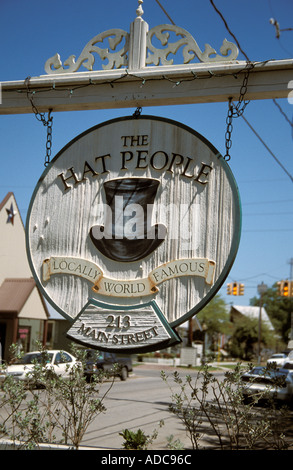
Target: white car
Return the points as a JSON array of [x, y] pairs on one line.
[[262, 383], [60, 362], [278, 359]]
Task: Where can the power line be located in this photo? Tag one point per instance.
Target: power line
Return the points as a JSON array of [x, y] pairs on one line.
[[270, 180], [229, 31], [274, 101], [237, 42], [282, 112], [163, 9], [269, 230], [259, 275], [268, 213], [268, 149], [268, 202]]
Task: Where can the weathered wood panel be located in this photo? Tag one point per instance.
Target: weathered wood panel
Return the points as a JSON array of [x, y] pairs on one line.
[[197, 201], [81, 247], [151, 86]]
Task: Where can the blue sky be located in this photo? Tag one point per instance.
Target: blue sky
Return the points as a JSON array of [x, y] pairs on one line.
[[32, 31]]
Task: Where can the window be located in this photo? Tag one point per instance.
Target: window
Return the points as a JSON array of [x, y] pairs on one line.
[[23, 338], [62, 358]]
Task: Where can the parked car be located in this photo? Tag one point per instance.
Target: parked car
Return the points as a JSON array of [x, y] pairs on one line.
[[263, 383], [100, 360], [289, 362], [288, 365], [59, 362], [279, 359]]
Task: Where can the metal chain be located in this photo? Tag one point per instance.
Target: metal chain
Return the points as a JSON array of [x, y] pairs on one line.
[[42, 118], [235, 111], [49, 139], [229, 130], [137, 112]]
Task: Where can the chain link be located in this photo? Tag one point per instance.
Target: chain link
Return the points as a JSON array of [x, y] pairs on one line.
[[49, 139], [228, 140], [235, 111], [42, 118], [137, 112]]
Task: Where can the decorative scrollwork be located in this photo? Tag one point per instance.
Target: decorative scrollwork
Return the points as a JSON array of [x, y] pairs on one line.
[[190, 47], [155, 56], [86, 59]]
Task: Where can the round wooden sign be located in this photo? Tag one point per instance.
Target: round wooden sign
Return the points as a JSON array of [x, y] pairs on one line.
[[131, 230]]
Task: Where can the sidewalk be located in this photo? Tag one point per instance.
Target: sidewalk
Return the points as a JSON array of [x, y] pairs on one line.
[[152, 365]]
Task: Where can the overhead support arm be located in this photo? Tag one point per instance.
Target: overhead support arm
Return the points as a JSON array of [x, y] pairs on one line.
[[150, 86]]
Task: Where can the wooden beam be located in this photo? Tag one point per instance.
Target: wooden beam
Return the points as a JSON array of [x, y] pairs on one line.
[[150, 86]]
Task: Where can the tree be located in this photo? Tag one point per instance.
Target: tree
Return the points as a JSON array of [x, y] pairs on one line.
[[244, 340], [279, 310], [55, 409], [214, 319]]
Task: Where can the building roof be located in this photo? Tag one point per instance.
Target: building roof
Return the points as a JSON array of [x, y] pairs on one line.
[[253, 312], [2, 204], [14, 292]]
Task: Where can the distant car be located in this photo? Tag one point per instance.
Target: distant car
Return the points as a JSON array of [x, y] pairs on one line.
[[106, 361], [289, 362], [263, 383], [59, 362], [278, 359]]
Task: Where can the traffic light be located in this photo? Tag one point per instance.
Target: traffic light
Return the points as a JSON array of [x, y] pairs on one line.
[[229, 289], [235, 288], [286, 288]]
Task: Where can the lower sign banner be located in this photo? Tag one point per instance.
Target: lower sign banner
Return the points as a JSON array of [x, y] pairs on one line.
[[131, 231], [122, 329]]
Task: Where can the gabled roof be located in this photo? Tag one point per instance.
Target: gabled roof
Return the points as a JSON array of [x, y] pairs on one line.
[[253, 312], [14, 292], [2, 204], [5, 201]]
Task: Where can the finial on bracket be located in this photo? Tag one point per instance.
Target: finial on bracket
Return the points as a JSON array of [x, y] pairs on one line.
[[139, 10]]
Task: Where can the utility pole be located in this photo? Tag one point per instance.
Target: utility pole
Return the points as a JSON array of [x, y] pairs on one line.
[[290, 344], [291, 268], [261, 288]]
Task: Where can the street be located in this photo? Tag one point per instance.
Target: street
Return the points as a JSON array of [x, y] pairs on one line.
[[139, 402], [143, 400]]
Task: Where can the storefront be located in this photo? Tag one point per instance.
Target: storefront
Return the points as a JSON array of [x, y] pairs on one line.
[[23, 316]]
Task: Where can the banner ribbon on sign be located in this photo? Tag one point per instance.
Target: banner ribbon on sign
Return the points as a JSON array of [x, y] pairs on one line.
[[103, 285]]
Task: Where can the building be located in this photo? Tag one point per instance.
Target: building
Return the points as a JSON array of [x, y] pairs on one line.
[[251, 312], [23, 312]]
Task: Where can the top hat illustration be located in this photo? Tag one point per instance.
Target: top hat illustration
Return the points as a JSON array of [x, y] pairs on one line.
[[127, 234]]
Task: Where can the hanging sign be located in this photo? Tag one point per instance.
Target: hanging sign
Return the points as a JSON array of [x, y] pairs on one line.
[[131, 230]]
